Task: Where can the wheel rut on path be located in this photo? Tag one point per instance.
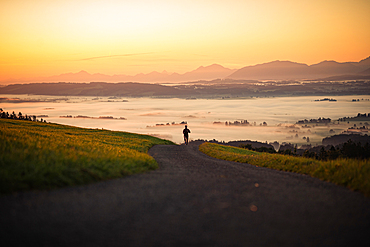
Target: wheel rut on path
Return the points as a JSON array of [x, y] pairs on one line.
[[191, 200]]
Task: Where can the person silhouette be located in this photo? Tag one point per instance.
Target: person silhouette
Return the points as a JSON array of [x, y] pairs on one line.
[[186, 132]]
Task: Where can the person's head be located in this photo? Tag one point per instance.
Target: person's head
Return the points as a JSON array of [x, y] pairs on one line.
[[186, 126]]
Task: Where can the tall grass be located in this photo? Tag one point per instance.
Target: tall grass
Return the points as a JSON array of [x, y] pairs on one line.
[[38, 156], [352, 173]]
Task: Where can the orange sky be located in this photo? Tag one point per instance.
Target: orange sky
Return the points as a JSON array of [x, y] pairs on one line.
[[43, 37]]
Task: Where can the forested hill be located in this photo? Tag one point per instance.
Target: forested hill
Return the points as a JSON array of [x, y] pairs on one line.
[[91, 89], [199, 89]]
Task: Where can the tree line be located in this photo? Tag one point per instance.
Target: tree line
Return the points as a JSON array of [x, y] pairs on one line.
[[19, 116], [348, 149]]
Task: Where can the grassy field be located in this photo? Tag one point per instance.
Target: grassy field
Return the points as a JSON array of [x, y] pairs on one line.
[[354, 174], [39, 156]]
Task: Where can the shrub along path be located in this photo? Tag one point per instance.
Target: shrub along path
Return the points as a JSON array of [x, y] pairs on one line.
[[192, 200]]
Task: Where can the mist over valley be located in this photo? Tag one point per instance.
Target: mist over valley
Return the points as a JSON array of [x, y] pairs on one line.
[[261, 103]]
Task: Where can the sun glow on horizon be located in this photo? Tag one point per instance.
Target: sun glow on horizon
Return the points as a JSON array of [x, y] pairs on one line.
[[43, 38]]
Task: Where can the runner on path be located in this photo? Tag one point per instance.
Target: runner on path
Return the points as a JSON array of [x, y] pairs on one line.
[[186, 132]]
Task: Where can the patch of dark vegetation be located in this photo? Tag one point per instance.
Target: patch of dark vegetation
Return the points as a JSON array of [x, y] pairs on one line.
[[342, 138], [247, 143], [348, 149], [20, 116], [314, 121], [359, 117], [260, 149], [326, 99], [358, 148]]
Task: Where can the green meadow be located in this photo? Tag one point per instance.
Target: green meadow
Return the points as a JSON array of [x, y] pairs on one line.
[[352, 173], [42, 156]]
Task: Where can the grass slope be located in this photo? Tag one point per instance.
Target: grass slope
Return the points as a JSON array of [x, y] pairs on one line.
[[354, 174], [38, 156]]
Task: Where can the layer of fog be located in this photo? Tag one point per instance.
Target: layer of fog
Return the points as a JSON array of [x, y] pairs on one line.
[[162, 117]]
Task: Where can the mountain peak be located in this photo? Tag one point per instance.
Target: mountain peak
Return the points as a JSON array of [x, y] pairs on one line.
[[83, 72], [326, 63], [278, 63], [210, 68], [329, 61], [287, 70], [365, 61], [215, 65]]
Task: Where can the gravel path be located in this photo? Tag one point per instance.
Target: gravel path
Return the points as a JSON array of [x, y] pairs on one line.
[[192, 200]]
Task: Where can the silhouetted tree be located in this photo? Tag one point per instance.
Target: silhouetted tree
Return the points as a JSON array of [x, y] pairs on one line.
[[323, 154], [366, 150], [309, 154], [2, 113], [286, 151], [246, 146], [265, 150], [349, 149], [260, 149], [333, 153]]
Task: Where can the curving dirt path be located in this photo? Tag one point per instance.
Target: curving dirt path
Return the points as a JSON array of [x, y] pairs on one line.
[[192, 200]]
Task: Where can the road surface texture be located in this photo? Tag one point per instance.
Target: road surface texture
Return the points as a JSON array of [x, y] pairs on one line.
[[192, 200]]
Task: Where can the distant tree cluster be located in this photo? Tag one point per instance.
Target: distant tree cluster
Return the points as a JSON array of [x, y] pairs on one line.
[[319, 120], [288, 151], [237, 123], [241, 123], [260, 149], [19, 116], [349, 149], [359, 115]]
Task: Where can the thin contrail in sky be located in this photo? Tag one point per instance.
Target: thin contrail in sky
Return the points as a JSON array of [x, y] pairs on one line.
[[122, 55]]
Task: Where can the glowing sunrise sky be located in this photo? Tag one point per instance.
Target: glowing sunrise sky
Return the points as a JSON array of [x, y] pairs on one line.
[[49, 37]]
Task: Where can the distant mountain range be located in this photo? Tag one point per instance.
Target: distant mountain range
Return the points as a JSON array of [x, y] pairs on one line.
[[287, 70], [276, 70], [210, 72]]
